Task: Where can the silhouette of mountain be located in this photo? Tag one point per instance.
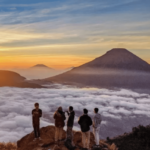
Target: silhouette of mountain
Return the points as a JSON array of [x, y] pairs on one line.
[[13, 79], [119, 58], [40, 66], [117, 68]]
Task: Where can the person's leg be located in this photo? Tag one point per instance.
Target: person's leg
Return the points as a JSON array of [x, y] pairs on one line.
[[88, 139], [69, 133], [60, 133], [56, 134], [83, 139], [35, 131], [94, 134], [97, 135], [38, 130]]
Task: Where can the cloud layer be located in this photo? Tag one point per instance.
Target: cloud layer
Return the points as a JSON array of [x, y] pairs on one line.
[[120, 109]]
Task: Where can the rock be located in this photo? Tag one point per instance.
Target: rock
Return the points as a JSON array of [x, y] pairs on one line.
[[47, 142], [113, 147]]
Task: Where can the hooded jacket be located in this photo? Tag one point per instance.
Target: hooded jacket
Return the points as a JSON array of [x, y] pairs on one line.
[[59, 117], [85, 122], [70, 120], [97, 120]]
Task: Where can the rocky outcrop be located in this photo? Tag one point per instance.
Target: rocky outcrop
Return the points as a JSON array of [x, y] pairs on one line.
[[47, 142]]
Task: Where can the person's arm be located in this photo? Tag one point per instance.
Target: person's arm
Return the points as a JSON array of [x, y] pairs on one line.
[[40, 114], [94, 121], [90, 121], [55, 115], [68, 113], [79, 121], [64, 117], [33, 113]]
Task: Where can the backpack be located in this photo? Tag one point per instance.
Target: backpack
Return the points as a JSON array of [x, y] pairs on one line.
[[69, 145]]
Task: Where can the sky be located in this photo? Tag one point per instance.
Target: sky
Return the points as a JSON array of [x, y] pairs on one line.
[[66, 33]]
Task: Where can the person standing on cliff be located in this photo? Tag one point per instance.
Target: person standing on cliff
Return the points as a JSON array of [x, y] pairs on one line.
[[96, 125], [85, 122], [36, 114], [60, 118], [70, 123]]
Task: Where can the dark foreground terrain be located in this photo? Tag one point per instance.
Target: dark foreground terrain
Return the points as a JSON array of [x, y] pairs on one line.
[[138, 139]]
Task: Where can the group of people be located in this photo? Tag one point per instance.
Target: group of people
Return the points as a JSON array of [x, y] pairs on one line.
[[84, 121]]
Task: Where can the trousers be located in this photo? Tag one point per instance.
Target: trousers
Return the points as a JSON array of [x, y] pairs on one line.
[[96, 134], [86, 139], [36, 130], [58, 133]]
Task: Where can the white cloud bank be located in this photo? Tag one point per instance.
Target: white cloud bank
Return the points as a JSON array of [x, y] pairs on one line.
[[121, 110]]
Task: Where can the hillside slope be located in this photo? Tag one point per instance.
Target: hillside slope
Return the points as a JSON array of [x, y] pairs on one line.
[[13, 79], [117, 68]]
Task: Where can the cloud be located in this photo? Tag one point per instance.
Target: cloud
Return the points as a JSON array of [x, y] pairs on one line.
[[117, 107]]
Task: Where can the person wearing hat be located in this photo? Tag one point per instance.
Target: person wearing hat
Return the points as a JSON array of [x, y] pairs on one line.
[[59, 117]]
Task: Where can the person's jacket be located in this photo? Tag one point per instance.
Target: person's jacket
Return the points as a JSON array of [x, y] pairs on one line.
[[36, 117], [85, 122], [97, 121], [59, 117], [70, 120]]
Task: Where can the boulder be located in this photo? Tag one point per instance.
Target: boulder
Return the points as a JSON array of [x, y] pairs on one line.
[[47, 142]]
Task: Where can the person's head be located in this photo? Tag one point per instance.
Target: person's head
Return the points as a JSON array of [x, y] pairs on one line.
[[70, 108], [60, 108], [96, 110], [85, 111], [36, 105]]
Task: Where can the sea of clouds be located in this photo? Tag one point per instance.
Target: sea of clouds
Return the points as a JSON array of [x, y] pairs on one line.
[[120, 109]]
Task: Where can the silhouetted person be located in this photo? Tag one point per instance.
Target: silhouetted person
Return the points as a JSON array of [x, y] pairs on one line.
[[59, 117], [96, 125], [85, 122], [70, 123], [36, 114]]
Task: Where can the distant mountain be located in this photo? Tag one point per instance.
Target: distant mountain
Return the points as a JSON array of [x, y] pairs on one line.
[[40, 66], [118, 58], [13, 79], [117, 68]]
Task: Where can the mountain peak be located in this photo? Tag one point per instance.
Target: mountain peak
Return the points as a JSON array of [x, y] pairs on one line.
[[119, 58], [41, 66], [118, 50]]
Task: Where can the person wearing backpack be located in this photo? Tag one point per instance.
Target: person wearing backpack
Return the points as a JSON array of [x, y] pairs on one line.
[[96, 125], [36, 114], [85, 122], [59, 117]]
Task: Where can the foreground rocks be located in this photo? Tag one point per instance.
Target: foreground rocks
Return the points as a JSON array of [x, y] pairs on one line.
[[8, 146], [138, 139], [47, 142]]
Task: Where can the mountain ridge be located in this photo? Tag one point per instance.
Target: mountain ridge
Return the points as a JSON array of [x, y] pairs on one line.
[[117, 68]]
